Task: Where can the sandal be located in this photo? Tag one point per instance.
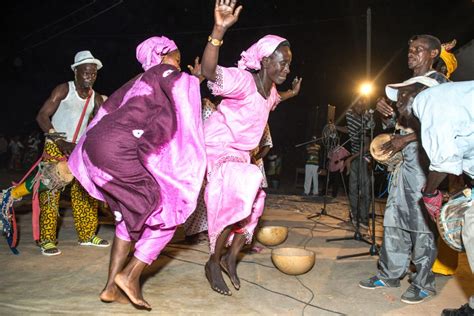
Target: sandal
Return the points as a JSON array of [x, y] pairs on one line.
[[49, 249], [96, 242]]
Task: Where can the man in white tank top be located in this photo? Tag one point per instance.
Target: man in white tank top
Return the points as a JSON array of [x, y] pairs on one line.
[[68, 110]]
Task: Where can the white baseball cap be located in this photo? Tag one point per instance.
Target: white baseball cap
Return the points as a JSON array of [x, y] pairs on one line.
[[85, 57], [391, 90]]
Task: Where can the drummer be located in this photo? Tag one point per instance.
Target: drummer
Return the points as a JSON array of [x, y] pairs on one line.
[[62, 112], [448, 139], [66, 113], [407, 234]]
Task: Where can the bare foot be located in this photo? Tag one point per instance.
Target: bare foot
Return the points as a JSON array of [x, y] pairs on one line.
[[229, 267], [113, 294], [132, 289], [214, 276]]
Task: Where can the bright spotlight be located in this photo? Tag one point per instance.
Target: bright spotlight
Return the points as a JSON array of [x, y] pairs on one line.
[[365, 88]]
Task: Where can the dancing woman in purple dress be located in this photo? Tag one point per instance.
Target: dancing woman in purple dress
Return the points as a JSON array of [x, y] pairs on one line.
[[144, 155]]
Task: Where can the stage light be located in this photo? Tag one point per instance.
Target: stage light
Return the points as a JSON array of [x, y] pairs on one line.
[[366, 89]]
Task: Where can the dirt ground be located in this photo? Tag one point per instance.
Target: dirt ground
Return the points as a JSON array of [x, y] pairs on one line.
[[32, 284]]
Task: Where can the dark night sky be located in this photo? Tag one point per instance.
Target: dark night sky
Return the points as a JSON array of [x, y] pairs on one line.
[[328, 39]]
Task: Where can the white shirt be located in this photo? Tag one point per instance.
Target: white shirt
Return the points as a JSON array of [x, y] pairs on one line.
[[446, 113], [69, 111]]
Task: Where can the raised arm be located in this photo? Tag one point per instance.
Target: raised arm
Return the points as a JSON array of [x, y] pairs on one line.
[[196, 70], [225, 15], [294, 91]]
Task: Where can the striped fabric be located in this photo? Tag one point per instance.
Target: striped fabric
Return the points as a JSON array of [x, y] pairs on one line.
[[312, 154], [354, 125]]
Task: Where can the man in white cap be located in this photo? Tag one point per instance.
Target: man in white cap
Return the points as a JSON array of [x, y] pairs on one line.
[[68, 110], [447, 137], [407, 232]]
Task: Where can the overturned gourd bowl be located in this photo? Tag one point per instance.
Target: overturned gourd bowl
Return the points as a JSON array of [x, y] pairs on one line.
[[293, 261], [272, 235]]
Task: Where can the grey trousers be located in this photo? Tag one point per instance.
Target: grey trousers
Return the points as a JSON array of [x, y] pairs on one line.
[[399, 247], [311, 175], [354, 188]]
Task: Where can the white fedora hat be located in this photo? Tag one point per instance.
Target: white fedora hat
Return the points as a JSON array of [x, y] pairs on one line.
[[392, 89], [85, 57]]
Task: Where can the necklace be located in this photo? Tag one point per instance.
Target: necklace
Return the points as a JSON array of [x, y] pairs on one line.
[[261, 86]]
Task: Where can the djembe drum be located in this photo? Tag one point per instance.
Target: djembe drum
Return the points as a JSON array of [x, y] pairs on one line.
[[49, 176], [451, 219], [390, 159], [55, 175]]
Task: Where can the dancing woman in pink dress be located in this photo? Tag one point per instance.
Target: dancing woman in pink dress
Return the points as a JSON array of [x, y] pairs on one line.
[[233, 195]]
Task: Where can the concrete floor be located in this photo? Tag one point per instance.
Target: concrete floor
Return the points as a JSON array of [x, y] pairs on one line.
[[175, 284]]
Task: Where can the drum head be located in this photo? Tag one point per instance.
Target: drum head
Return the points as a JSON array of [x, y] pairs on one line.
[[451, 221], [64, 172], [376, 148]]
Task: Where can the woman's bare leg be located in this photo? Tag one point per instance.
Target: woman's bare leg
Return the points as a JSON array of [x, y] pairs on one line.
[[229, 260], [118, 256], [129, 281], [213, 269]]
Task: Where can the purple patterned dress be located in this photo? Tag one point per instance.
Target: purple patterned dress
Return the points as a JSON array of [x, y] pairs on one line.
[[144, 152]]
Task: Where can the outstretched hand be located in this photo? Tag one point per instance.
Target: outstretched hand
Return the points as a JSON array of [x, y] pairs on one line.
[[196, 69], [383, 107], [296, 85], [225, 13]]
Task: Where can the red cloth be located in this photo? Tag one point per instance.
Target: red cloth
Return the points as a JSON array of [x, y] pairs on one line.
[[433, 204]]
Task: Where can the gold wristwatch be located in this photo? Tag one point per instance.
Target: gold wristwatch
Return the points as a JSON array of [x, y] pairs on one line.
[[215, 41]]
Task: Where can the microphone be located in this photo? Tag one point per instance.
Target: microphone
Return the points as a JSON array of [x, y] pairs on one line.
[[369, 117], [370, 122]]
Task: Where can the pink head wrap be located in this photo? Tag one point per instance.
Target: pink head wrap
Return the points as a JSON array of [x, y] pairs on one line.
[[251, 58], [150, 52]]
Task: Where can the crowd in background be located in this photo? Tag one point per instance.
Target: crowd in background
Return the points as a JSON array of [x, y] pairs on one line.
[[19, 152]]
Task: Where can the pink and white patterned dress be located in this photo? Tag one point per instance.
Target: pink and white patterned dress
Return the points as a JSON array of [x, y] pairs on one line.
[[233, 194], [197, 221], [265, 141]]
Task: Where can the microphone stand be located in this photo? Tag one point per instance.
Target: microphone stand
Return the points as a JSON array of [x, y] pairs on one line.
[[309, 142], [323, 209], [374, 249], [327, 148]]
